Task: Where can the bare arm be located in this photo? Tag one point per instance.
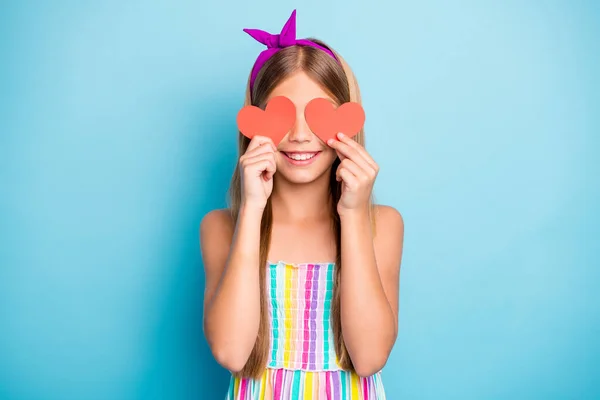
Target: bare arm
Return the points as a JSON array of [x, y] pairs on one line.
[[231, 252], [370, 286], [231, 301]]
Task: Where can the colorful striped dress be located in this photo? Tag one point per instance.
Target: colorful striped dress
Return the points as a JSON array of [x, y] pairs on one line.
[[302, 360]]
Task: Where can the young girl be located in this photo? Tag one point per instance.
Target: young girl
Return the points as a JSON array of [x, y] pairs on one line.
[[302, 271]]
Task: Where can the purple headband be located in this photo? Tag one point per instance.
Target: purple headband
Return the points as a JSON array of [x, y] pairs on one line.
[[274, 43]]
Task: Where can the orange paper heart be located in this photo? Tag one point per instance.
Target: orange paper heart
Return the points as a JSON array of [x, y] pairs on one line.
[[326, 121], [275, 121]]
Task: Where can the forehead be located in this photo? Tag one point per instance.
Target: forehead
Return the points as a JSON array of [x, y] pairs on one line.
[[300, 88]]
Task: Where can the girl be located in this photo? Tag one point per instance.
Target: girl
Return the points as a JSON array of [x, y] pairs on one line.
[[302, 271]]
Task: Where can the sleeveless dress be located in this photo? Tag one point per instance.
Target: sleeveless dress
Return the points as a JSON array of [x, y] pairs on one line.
[[302, 360]]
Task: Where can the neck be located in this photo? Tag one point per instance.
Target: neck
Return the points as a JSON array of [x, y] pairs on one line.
[[293, 202]]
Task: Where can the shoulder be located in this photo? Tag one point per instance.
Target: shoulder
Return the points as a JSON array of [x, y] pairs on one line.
[[216, 231], [389, 236], [217, 220], [388, 220]]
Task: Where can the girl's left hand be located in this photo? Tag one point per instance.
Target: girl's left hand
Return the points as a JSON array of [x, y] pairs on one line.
[[357, 171]]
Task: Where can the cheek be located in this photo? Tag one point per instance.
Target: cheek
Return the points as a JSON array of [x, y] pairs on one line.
[[329, 155]]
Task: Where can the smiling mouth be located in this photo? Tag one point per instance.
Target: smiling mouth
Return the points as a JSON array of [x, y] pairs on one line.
[[300, 155]]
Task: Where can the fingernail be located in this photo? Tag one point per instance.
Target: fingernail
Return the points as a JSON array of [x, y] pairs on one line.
[[341, 135]]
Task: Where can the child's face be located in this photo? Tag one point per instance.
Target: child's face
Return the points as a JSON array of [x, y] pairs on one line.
[[302, 157]]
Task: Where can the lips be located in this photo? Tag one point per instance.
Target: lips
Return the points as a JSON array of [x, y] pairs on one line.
[[300, 157]]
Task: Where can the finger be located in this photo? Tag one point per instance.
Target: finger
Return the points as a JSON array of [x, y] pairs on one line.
[[258, 140], [354, 168], [259, 157], [262, 149], [340, 155], [352, 154], [347, 177], [359, 148], [263, 166]]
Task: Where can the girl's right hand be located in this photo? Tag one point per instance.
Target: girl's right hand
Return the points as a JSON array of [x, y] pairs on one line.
[[257, 167]]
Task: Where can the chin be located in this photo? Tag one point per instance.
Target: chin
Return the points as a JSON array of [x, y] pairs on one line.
[[301, 177]]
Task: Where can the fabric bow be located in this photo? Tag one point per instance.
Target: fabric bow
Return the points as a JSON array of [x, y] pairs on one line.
[[276, 42], [286, 38]]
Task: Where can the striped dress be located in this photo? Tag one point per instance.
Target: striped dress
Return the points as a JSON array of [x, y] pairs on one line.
[[302, 360]]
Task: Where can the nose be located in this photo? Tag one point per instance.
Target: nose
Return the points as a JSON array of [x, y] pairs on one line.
[[300, 132]]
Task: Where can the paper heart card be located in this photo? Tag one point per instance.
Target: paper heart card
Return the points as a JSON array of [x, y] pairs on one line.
[[322, 116]]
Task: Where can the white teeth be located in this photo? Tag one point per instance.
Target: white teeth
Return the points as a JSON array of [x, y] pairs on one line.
[[301, 156]]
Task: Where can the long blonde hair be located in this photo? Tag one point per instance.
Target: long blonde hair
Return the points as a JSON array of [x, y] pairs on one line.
[[339, 81]]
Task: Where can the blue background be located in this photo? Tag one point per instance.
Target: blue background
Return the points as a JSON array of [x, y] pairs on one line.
[[117, 134]]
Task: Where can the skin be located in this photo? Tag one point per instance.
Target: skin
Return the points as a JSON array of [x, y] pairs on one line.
[[371, 264]]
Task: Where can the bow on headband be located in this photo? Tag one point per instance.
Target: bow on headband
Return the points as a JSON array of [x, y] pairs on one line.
[[274, 43]]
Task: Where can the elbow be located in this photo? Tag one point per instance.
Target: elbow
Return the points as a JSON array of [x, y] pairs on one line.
[[365, 371], [229, 359], [370, 365], [225, 353]]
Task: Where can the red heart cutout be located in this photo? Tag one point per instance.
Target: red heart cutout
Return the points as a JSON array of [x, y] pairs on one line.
[[326, 121], [275, 121]]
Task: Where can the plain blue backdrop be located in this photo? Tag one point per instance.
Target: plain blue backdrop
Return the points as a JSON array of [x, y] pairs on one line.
[[117, 134]]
